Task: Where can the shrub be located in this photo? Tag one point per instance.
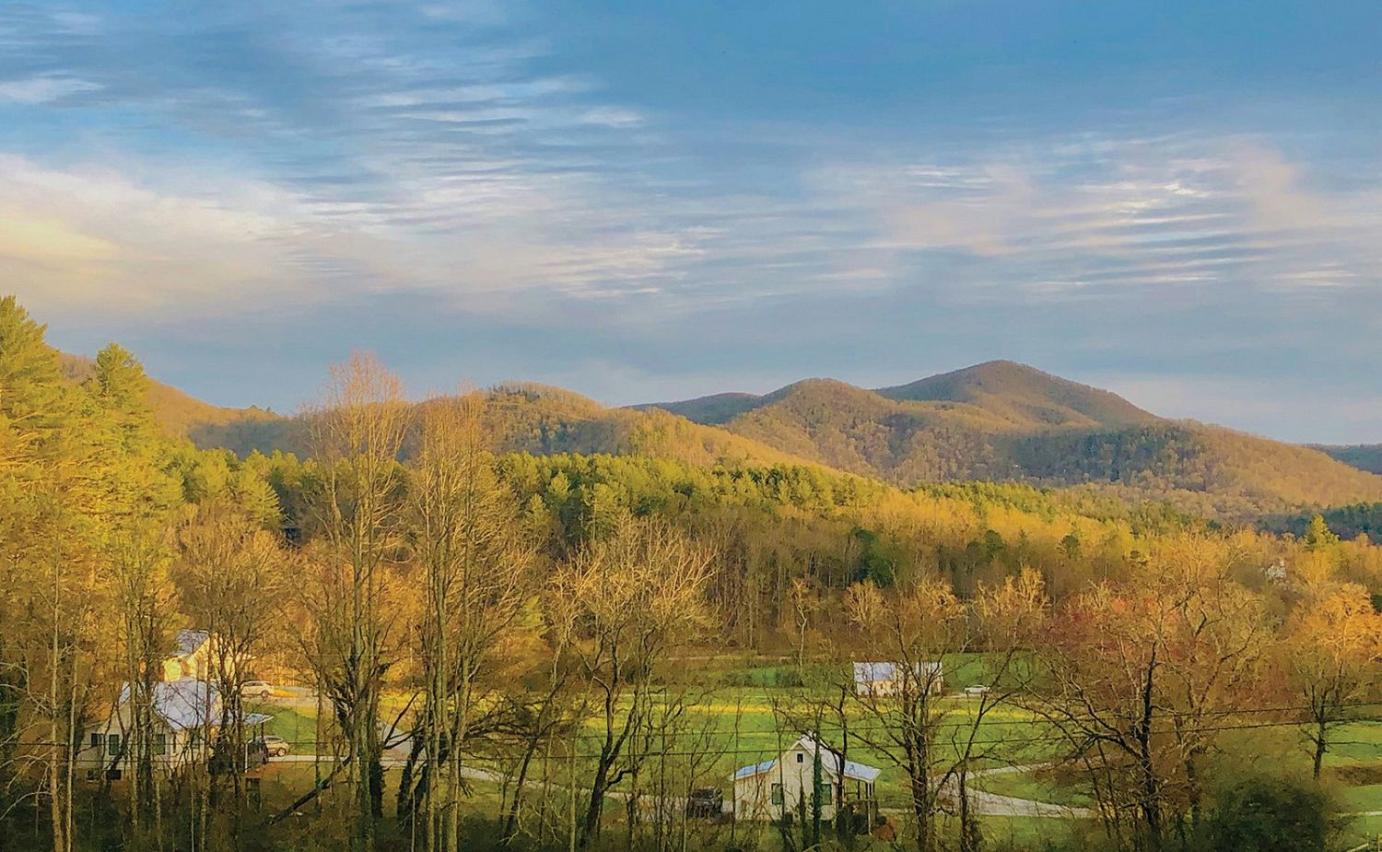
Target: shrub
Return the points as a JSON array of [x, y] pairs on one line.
[[1267, 814]]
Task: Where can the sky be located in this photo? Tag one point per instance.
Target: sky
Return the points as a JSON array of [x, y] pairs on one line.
[[1180, 201]]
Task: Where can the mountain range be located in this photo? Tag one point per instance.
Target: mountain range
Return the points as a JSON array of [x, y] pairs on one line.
[[998, 421], [1006, 421]]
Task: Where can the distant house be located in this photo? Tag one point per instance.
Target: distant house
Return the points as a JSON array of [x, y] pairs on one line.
[[1276, 572], [191, 657], [767, 790], [879, 679], [186, 712]]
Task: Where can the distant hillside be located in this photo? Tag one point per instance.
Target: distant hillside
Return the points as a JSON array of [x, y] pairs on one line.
[[544, 420], [714, 409], [1025, 397], [1006, 421], [1362, 456], [178, 413], [541, 420], [998, 421]]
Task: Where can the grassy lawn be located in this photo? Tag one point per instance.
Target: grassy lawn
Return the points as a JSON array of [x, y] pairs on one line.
[[1039, 785], [741, 725], [1032, 832], [1356, 742], [1352, 769], [756, 712], [1364, 798], [297, 726], [1364, 829]]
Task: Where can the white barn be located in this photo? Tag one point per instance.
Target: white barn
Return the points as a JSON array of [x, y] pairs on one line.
[[767, 790], [880, 679]]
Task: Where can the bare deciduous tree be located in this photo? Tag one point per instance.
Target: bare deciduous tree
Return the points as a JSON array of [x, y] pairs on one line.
[[356, 437], [231, 577], [469, 546], [914, 628], [625, 600]]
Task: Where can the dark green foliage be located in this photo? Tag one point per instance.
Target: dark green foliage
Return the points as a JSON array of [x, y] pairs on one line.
[[1362, 456], [876, 564], [1343, 521], [1268, 814]]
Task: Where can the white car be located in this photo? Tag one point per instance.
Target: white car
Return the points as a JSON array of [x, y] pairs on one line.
[[261, 689], [975, 691], [275, 746]]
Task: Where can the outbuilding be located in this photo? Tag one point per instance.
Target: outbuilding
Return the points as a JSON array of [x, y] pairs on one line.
[[883, 679]]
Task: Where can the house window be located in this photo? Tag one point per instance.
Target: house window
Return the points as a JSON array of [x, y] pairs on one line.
[[801, 758], [113, 745], [824, 792], [160, 743], [97, 740], [777, 794]]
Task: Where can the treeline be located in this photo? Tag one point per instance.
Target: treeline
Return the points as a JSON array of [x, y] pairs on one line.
[[1362, 519], [450, 603]]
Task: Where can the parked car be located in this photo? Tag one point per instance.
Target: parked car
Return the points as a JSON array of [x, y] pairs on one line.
[[276, 746], [975, 691], [705, 803], [260, 689]]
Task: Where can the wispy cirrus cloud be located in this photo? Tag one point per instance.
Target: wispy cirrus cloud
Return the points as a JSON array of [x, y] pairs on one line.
[[44, 89], [662, 195], [1112, 219]]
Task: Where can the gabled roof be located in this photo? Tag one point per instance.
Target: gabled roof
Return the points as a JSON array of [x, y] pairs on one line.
[[184, 703], [830, 762], [189, 703], [188, 641], [755, 769]]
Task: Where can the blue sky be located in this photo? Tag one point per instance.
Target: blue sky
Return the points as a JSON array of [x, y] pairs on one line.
[[1181, 201]]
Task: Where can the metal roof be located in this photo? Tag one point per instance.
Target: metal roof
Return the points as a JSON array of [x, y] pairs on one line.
[[188, 641], [755, 769], [189, 703], [184, 703], [830, 761], [866, 673]]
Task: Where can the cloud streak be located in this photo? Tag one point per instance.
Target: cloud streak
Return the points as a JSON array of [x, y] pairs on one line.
[[475, 166]]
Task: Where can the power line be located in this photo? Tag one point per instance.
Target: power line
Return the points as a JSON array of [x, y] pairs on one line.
[[710, 750]]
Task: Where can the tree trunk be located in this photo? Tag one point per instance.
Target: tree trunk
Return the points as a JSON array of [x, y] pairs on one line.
[[590, 826], [970, 837], [1321, 739]]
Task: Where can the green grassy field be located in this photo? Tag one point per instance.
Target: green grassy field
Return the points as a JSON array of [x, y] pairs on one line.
[[1352, 772], [751, 712]]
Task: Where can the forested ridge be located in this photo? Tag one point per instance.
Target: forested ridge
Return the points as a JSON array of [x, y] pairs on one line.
[[999, 422], [483, 636], [1008, 422], [1362, 456]]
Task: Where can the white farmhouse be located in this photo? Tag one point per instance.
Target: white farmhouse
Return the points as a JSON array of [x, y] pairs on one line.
[[767, 790], [186, 713], [881, 679]]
